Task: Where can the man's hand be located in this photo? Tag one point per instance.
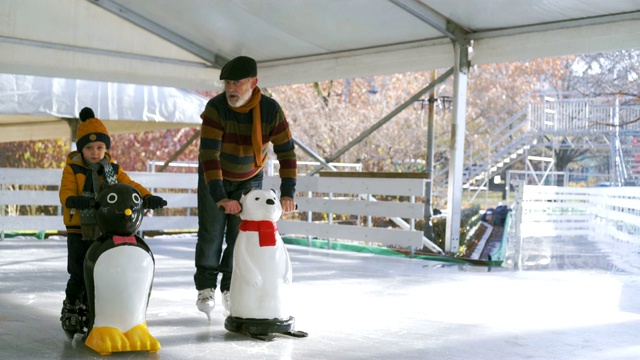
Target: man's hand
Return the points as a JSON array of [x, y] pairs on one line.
[[288, 205], [232, 207]]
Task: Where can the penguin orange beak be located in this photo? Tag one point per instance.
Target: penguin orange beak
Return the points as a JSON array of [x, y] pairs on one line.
[[128, 212]]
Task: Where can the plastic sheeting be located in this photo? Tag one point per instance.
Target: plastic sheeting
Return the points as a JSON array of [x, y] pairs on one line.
[[64, 98]]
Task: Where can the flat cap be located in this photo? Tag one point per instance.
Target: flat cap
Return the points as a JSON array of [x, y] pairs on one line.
[[239, 68]]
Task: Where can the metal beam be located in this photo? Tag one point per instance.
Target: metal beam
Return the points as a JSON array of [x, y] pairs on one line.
[[180, 151], [426, 15], [93, 51], [567, 24], [313, 154], [182, 42], [456, 150]]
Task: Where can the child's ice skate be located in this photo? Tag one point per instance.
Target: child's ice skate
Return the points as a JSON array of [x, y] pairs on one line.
[[73, 316]]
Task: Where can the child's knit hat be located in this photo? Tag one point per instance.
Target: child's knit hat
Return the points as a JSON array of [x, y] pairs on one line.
[[91, 129]]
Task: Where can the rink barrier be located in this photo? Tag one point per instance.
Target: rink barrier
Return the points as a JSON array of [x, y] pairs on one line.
[[606, 216], [33, 188], [357, 195], [23, 190]]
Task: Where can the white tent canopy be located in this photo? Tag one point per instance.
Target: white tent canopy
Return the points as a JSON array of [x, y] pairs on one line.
[[184, 43]]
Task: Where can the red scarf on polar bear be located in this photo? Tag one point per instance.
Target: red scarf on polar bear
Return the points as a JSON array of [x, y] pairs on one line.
[[266, 230]]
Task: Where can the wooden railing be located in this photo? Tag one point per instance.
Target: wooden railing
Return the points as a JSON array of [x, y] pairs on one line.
[[360, 196], [29, 201]]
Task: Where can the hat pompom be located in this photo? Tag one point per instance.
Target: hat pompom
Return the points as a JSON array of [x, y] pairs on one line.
[[86, 113]]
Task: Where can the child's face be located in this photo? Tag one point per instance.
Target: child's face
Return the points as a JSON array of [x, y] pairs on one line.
[[93, 152]]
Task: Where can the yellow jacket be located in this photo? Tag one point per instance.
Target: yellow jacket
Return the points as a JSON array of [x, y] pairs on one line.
[[73, 181]]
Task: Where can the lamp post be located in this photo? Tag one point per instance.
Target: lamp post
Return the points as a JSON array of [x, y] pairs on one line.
[[444, 102]]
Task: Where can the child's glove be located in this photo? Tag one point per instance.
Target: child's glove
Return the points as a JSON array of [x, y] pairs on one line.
[[154, 202], [79, 202]]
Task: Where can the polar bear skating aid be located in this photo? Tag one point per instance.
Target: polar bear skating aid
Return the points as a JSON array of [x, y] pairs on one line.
[[261, 271]]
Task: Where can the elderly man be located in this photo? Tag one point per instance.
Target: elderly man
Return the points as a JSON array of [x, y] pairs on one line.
[[237, 126]]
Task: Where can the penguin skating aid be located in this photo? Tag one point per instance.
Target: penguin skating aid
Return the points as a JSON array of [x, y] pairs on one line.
[[119, 269]]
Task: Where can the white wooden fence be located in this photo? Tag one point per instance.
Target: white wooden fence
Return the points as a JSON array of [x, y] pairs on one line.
[[355, 196], [23, 190]]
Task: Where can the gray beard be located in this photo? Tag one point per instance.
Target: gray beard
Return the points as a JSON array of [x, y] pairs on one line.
[[243, 100]]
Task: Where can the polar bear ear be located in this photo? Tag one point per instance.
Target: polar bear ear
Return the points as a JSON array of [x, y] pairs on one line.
[[274, 192], [246, 191]]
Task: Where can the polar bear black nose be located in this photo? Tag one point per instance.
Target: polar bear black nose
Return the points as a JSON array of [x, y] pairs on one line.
[[270, 202]]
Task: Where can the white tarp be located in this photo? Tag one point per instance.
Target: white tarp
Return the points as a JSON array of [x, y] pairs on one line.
[[28, 102]]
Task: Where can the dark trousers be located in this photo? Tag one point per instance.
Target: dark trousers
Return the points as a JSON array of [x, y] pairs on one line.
[[214, 227], [76, 251]]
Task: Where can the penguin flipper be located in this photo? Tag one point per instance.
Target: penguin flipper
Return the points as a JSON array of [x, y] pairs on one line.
[[140, 339]]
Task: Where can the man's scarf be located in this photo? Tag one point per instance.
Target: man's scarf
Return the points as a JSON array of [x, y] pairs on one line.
[[256, 130], [88, 224], [266, 230]]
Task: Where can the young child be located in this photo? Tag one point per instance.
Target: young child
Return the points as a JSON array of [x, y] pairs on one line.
[[86, 172]]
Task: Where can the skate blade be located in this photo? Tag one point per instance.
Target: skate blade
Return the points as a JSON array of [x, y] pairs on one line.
[[296, 333], [208, 313], [263, 337], [71, 334]]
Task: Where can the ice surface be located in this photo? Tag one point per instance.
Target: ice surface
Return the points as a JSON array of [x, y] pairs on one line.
[[354, 306]]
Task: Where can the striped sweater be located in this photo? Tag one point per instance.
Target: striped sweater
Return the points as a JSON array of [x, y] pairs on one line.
[[225, 145]]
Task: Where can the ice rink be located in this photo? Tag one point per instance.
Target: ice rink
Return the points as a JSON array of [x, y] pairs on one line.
[[354, 306]]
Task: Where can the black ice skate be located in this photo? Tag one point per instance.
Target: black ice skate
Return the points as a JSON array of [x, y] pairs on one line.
[[73, 316]]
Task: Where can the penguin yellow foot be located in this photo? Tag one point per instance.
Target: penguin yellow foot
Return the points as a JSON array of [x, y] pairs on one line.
[[140, 339], [106, 340]]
